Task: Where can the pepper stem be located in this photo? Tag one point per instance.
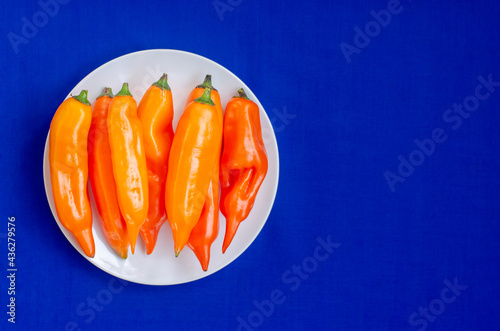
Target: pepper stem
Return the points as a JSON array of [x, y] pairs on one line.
[[206, 97], [162, 83], [124, 91], [106, 92], [82, 97], [241, 94], [207, 83]]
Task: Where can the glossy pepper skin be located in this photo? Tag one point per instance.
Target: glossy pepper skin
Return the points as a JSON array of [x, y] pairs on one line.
[[243, 162], [126, 141], [190, 166], [101, 177], [68, 159], [206, 230], [156, 112]]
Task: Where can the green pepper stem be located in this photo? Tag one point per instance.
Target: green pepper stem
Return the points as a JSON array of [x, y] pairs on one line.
[[206, 97], [241, 94], [162, 83], [207, 83], [124, 91], [82, 97], [106, 92]]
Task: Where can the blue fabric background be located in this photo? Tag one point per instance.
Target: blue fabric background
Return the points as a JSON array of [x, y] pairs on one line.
[[347, 125]]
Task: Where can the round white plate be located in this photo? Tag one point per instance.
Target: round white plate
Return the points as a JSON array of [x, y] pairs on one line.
[[185, 71]]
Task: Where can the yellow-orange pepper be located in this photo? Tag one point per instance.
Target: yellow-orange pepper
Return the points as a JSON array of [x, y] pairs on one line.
[[101, 177], [243, 162], [206, 230], [126, 142], [192, 159], [156, 112], [68, 159]]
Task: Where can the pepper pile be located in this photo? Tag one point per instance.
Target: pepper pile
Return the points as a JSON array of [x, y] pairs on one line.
[[142, 174]]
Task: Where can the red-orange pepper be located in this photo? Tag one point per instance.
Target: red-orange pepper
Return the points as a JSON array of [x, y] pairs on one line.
[[68, 159], [206, 230], [193, 156], [243, 162], [130, 171], [156, 112], [101, 177]]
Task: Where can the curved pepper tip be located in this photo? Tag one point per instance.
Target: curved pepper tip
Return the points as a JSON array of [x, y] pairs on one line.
[[86, 241], [133, 238], [231, 228], [178, 249], [203, 256], [150, 237], [121, 253], [181, 238]]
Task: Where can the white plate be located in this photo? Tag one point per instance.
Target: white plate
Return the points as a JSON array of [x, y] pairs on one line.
[[185, 71]]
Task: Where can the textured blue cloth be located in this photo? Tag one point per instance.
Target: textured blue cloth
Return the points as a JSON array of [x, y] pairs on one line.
[[386, 116]]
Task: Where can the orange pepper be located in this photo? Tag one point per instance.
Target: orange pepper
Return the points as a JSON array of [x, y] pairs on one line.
[[101, 177], [192, 159], [206, 230], [126, 143], [156, 112], [68, 159], [243, 162]]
